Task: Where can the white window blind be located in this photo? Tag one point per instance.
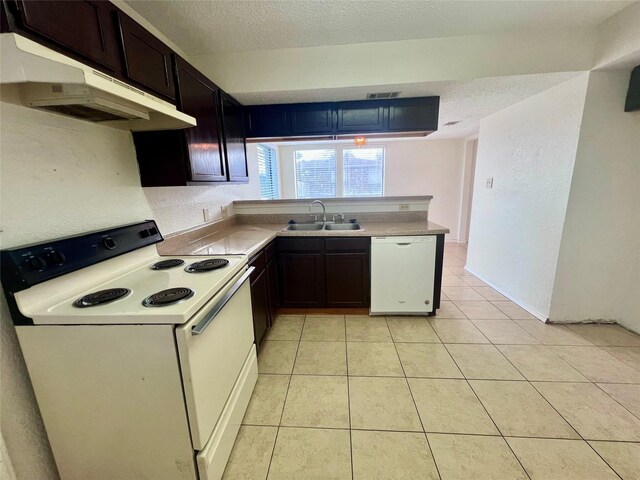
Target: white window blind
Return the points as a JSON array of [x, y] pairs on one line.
[[363, 172], [315, 173], [268, 173]]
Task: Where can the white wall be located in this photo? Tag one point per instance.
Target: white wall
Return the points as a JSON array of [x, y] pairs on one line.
[[598, 274], [471, 151], [529, 149], [399, 62], [412, 167], [618, 39]]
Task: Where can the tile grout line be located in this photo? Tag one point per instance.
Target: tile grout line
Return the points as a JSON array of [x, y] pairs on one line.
[[539, 393], [415, 405], [284, 403], [579, 434], [562, 416], [496, 346], [437, 432], [615, 399], [346, 356], [488, 415]]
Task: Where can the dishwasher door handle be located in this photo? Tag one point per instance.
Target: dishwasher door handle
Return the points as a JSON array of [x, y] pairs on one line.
[[403, 244], [211, 315]]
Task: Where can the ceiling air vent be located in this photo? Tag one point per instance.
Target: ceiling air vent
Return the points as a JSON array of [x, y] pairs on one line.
[[372, 96]]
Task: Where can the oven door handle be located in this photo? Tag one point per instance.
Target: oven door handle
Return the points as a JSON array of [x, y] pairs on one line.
[[206, 321]]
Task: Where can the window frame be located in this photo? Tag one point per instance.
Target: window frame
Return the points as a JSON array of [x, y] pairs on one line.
[[274, 168], [384, 167], [339, 151], [316, 147]]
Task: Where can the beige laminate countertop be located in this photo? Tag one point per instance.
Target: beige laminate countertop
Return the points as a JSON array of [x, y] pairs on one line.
[[250, 239]]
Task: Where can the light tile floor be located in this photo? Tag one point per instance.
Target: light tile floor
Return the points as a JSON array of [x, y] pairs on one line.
[[481, 391]]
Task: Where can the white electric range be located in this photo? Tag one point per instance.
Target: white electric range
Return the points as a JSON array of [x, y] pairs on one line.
[[143, 366]]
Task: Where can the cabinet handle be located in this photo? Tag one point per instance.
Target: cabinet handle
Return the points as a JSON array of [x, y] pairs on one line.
[[204, 323]]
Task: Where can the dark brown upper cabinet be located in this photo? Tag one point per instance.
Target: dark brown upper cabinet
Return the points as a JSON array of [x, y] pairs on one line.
[[361, 117], [414, 114], [191, 156], [83, 29], [398, 115], [268, 121], [312, 119], [235, 147], [199, 97], [147, 60]]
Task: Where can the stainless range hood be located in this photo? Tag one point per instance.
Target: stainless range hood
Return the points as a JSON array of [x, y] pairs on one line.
[[51, 81]]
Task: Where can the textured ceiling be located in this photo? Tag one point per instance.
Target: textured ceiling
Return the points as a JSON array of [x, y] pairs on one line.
[[463, 101], [208, 26]]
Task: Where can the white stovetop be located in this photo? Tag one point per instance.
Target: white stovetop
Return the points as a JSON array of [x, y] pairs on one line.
[[51, 303]]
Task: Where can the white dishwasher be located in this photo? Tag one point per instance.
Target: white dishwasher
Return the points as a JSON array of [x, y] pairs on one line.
[[402, 275]]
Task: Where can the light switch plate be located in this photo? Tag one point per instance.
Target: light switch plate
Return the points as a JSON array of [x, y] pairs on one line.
[[489, 182]]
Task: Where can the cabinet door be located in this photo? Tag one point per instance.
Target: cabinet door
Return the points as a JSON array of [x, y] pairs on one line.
[[268, 121], [301, 279], [361, 117], [347, 279], [234, 139], [198, 97], [413, 114], [272, 282], [312, 119], [84, 28], [260, 306], [147, 60]]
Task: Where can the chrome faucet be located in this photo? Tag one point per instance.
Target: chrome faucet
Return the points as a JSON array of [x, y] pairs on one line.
[[324, 211]]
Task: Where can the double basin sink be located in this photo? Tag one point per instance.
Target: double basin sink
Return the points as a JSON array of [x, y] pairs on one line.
[[310, 227]]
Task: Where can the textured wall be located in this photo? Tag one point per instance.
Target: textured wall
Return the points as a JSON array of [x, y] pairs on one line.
[[598, 274], [529, 149], [412, 167], [178, 208]]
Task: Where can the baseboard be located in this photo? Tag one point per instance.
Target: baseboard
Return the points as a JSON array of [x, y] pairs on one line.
[[528, 308]]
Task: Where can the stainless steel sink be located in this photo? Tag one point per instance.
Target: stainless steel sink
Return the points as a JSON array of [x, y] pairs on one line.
[[304, 226], [314, 227], [342, 226]]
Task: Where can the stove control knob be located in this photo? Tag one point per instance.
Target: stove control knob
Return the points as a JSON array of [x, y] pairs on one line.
[[36, 263], [109, 243], [57, 258]]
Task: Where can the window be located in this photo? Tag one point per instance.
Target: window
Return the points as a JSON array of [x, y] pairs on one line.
[[315, 173], [268, 173], [363, 172]]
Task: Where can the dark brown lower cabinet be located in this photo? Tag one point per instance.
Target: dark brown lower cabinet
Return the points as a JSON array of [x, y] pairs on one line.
[[301, 279], [264, 291], [272, 282], [324, 272], [347, 279], [260, 305]]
